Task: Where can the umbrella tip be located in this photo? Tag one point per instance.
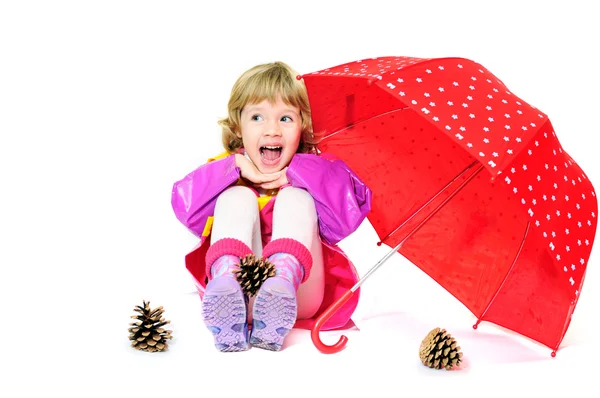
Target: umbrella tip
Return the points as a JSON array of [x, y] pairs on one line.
[[378, 243], [553, 354], [299, 77]]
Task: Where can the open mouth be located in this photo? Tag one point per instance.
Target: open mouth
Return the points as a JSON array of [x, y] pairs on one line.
[[270, 154]]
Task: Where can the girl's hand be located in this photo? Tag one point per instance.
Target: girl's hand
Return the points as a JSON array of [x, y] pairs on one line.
[[282, 180], [249, 172]]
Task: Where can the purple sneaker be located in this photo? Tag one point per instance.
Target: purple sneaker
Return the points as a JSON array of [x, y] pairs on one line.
[[274, 313], [225, 314]]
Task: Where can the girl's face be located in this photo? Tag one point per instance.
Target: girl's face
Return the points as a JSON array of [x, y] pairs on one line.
[[270, 134]]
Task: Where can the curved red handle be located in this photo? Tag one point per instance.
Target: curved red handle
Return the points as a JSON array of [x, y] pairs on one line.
[[324, 317]]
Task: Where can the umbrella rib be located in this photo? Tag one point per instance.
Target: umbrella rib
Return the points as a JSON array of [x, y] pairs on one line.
[[430, 200], [416, 228], [480, 318], [363, 121]]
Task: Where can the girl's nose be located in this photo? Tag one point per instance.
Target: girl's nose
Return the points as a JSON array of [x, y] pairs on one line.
[[273, 128]]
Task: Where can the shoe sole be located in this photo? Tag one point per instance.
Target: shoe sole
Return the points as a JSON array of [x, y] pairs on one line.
[[273, 316], [224, 313]]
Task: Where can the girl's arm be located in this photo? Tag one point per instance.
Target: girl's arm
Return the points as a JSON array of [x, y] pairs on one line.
[[342, 200], [193, 198]]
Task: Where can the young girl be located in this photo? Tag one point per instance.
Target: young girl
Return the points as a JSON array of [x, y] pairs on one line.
[[272, 195]]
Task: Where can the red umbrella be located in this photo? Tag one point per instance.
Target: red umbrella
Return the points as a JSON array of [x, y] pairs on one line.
[[470, 183]]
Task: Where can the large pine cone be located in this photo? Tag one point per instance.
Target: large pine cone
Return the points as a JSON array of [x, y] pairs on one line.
[[148, 334]]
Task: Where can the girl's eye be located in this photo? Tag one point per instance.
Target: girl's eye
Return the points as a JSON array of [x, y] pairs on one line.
[[286, 119], [256, 118]]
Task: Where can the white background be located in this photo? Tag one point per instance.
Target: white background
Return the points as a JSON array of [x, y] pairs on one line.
[[105, 104]]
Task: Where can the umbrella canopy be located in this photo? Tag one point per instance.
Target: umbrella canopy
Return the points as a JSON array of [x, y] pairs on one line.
[[513, 243]]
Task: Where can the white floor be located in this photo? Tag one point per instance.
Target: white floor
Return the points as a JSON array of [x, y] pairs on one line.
[[103, 105], [76, 344]]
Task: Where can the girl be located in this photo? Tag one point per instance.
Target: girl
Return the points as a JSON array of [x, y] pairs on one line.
[[272, 195]]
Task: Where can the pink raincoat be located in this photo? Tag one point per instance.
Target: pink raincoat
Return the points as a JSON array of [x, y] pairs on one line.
[[342, 202]]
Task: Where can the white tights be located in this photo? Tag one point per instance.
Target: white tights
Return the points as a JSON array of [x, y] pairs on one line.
[[294, 216]]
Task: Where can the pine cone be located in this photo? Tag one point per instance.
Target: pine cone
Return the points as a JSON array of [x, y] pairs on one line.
[[147, 333], [440, 350], [253, 272]]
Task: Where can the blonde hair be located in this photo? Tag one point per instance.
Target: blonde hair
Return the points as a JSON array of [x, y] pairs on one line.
[[267, 81]]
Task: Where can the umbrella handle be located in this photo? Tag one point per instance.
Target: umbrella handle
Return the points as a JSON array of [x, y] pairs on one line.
[[324, 317]]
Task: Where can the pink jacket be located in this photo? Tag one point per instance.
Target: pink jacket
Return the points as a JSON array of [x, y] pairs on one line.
[[342, 202]]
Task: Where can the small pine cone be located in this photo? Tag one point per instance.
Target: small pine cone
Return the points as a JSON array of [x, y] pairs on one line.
[[148, 334], [253, 272], [440, 350]]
